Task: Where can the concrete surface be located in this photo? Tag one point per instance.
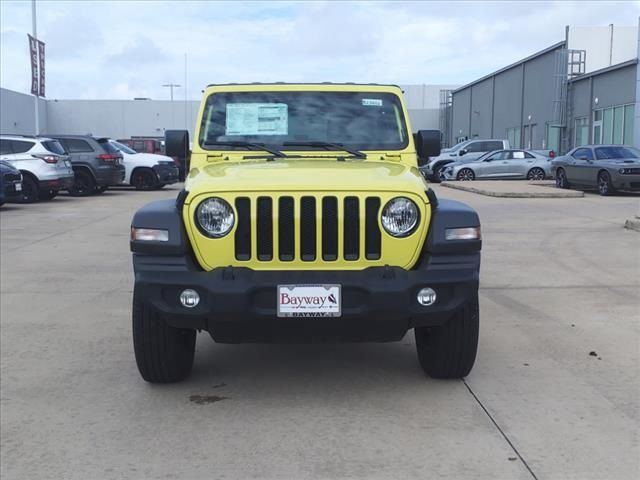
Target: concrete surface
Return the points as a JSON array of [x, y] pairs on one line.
[[514, 188], [560, 279]]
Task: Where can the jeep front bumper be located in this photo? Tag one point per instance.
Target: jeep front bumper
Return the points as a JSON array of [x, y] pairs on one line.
[[239, 304]]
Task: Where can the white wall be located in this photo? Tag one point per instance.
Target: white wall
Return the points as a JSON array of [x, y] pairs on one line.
[[17, 113], [120, 118], [605, 46]]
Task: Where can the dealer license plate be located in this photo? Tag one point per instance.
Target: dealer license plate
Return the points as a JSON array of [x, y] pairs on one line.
[[309, 301]]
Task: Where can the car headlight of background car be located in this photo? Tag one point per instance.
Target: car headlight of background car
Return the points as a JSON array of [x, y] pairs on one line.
[[629, 171], [215, 217], [400, 217]]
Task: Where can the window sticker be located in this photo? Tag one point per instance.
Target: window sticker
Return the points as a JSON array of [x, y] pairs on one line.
[[372, 102], [257, 119]]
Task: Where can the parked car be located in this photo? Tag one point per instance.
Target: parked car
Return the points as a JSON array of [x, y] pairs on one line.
[[10, 183], [157, 146], [500, 164], [43, 162], [96, 163], [146, 171], [470, 150], [607, 168]]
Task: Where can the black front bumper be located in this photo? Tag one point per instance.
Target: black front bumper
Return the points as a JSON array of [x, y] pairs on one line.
[[239, 304], [167, 173]]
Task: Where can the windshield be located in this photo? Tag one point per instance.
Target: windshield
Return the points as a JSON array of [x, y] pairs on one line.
[[123, 148], [357, 120], [603, 153]]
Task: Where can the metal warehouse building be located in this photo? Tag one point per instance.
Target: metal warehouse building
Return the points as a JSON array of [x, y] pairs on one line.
[[581, 90]]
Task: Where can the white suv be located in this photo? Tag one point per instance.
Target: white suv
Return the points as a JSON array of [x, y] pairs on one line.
[[146, 171], [43, 162]]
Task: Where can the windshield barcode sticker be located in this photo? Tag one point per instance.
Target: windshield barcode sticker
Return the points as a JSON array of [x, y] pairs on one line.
[[257, 119], [372, 102]]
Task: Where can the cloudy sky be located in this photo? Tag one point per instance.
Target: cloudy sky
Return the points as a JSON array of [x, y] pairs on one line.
[[126, 49]]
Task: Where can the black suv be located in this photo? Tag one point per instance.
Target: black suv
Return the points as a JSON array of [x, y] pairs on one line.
[[96, 163]]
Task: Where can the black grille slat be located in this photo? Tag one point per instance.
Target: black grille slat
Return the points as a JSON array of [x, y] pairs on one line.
[[351, 228], [329, 229], [373, 244], [286, 229], [243, 229], [308, 228], [264, 226]]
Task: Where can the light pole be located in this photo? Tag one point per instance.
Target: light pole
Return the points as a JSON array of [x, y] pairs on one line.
[[171, 86]]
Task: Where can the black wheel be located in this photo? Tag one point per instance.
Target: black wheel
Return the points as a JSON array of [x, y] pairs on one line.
[[436, 174], [449, 351], [466, 174], [604, 184], [144, 179], [536, 173], [160, 186], [47, 194], [83, 184], [164, 354], [561, 179], [30, 190]]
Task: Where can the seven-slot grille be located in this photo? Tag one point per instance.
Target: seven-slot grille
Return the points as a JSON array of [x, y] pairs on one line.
[[287, 215]]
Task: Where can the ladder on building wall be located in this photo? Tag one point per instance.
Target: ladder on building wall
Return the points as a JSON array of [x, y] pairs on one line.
[[445, 114], [568, 65]]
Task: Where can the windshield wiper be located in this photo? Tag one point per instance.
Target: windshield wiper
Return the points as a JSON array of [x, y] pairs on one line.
[[255, 146], [327, 146]]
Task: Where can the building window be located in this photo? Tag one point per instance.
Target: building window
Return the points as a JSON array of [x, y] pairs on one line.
[[553, 138], [613, 125], [582, 131], [513, 135]]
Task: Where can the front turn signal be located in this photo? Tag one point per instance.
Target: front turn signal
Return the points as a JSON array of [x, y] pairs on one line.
[[149, 235], [465, 233]]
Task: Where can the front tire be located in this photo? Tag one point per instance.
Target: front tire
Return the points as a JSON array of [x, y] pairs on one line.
[[436, 174], [144, 179], [449, 351], [466, 174], [164, 354], [604, 184]]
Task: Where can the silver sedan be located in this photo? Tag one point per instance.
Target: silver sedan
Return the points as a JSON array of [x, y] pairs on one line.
[[500, 164]]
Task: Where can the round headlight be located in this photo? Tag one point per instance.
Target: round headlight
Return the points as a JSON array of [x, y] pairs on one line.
[[215, 217], [400, 217]]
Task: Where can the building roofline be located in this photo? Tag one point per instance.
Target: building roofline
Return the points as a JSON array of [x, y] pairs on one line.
[[600, 71], [509, 67]]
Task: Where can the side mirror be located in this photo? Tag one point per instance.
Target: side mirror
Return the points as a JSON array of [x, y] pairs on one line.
[[488, 159], [176, 143], [427, 144], [462, 151]]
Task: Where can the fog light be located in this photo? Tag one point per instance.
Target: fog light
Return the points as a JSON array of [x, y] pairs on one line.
[[189, 298], [426, 297]]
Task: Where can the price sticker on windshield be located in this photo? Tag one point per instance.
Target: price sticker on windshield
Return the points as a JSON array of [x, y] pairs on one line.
[[372, 102], [257, 119]]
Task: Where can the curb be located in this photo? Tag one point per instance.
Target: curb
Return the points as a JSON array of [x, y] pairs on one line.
[[493, 193], [633, 224]]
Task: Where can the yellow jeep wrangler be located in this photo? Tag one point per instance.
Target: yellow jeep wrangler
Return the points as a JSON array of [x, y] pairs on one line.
[[304, 218]]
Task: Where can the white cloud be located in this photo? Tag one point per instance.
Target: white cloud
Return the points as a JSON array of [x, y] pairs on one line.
[[126, 49]]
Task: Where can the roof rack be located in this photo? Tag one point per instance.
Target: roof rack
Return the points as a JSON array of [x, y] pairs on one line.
[[303, 83]]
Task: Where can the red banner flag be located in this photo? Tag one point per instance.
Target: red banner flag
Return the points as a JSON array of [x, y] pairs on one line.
[[33, 53], [41, 55]]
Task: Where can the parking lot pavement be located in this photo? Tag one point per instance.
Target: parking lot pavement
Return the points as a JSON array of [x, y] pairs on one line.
[[554, 394]]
